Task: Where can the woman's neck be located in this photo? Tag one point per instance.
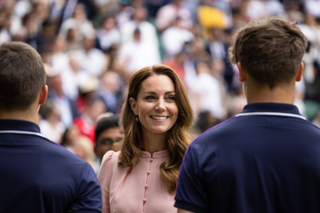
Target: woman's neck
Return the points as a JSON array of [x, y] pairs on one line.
[[153, 142]]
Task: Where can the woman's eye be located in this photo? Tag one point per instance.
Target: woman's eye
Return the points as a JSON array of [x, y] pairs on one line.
[[171, 98], [149, 98]]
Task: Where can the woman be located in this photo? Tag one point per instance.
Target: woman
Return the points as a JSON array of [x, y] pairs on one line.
[[142, 177]]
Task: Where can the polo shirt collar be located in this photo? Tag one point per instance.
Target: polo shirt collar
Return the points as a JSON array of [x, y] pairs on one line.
[[18, 125], [271, 107]]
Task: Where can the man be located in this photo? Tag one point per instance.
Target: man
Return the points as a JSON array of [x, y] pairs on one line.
[[37, 175], [107, 133], [266, 159]]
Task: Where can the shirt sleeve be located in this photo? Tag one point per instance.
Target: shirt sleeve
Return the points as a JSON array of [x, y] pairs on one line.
[[89, 194], [191, 194], [104, 176]]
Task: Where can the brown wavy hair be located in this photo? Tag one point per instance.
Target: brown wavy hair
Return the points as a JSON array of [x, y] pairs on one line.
[[178, 137]]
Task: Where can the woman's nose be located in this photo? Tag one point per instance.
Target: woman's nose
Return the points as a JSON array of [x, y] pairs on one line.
[[160, 105]]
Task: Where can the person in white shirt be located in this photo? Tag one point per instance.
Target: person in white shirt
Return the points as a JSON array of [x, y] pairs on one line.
[[174, 38], [51, 126], [209, 90], [91, 59], [148, 31], [79, 22], [168, 13], [138, 53], [108, 35]]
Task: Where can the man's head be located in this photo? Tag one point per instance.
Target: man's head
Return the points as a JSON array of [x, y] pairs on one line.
[[107, 133], [22, 76], [270, 50]]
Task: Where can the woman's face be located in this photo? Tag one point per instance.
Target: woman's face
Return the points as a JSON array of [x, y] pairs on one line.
[[156, 105]]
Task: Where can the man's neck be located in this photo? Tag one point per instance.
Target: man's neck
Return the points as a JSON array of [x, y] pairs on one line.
[[264, 94], [26, 115]]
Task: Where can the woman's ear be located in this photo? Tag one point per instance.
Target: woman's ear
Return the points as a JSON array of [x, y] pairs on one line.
[[133, 105]]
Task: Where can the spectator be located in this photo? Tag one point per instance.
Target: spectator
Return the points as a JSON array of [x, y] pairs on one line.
[[168, 13], [87, 121], [209, 90], [107, 133], [109, 89], [174, 38], [90, 55], [108, 36], [79, 22], [137, 54], [148, 31], [51, 126], [65, 105]]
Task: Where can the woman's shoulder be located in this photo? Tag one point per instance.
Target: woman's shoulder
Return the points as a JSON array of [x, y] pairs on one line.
[[110, 156], [108, 164]]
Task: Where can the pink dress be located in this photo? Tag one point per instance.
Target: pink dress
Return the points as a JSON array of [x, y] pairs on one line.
[[139, 191]]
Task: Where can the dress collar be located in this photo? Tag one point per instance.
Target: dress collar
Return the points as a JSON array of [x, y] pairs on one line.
[[160, 154]]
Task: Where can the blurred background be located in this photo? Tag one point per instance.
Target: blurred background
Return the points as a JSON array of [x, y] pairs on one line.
[[91, 48]]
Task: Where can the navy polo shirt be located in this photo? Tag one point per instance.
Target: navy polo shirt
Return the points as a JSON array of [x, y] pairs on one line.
[[37, 175], [264, 160]]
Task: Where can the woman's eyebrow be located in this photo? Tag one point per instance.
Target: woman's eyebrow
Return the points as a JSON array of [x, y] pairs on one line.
[[154, 93]]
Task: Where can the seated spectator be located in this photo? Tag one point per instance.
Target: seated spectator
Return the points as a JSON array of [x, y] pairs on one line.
[[208, 88], [87, 121], [148, 31], [109, 89], [59, 59], [66, 106], [73, 79], [79, 22], [175, 37], [108, 35], [138, 53], [168, 13], [107, 133], [51, 126], [90, 58], [72, 43]]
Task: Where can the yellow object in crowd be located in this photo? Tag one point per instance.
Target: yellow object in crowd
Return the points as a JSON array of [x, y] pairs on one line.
[[211, 17]]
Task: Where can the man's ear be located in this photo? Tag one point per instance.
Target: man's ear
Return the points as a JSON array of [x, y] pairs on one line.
[[43, 94], [300, 72], [242, 73], [133, 105]]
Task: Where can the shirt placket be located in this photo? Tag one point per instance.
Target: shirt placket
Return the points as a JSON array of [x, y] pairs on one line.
[[146, 184]]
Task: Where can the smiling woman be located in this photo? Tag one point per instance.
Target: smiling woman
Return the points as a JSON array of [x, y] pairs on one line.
[[142, 177]]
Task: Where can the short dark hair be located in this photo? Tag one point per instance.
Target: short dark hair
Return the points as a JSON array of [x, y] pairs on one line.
[[269, 50], [21, 75], [106, 123]]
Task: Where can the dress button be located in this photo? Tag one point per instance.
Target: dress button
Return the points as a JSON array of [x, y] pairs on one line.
[[146, 186], [144, 199], [151, 159], [148, 172]]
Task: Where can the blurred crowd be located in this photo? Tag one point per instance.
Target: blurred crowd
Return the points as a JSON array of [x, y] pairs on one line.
[[91, 48]]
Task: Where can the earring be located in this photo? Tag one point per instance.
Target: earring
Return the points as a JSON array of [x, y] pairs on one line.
[[137, 118]]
